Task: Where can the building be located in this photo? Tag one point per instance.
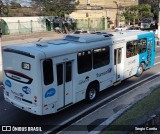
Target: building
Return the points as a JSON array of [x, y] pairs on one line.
[[110, 10]]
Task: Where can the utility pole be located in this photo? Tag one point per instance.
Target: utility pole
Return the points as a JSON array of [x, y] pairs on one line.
[[117, 14], [159, 24]]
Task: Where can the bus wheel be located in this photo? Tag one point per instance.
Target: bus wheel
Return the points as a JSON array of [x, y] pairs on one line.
[[91, 93], [140, 70]]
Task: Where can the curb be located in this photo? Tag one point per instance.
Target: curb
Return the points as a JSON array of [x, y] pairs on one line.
[[112, 118]]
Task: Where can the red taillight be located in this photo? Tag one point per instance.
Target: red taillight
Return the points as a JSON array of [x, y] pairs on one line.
[[35, 98]]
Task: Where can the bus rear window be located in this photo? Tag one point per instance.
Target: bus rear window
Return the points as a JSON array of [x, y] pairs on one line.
[[48, 71]]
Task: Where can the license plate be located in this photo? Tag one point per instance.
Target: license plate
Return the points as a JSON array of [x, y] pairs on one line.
[[17, 98]]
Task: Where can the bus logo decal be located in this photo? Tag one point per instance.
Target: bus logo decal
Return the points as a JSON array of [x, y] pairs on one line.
[[84, 81], [143, 57], [104, 73], [50, 92], [8, 83], [26, 90]]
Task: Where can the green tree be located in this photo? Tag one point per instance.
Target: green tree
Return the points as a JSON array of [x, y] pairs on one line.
[[14, 4], [55, 7], [154, 6], [144, 11], [137, 13], [3, 9]]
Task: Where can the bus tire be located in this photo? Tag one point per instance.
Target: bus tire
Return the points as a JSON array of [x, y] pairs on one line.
[[140, 70], [91, 93]]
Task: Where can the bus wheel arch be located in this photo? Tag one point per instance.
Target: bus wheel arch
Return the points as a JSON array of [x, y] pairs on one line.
[[92, 91], [140, 69]]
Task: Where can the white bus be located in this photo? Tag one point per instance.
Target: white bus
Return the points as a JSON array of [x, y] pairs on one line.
[[46, 77]]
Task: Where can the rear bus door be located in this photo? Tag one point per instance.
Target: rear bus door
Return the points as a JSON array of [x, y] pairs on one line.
[[118, 63], [64, 82]]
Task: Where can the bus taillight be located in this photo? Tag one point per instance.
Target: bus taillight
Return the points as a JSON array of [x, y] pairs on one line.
[[35, 98]]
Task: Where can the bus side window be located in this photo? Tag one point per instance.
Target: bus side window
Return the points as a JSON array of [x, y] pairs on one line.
[[131, 48], [68, 71], [60, 74], [101, 57], [84, 61], [48, 71], [119, 55], [142, 43]]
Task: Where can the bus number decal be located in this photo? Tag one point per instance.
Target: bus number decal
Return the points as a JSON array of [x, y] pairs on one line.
[[50, 92], [8, 83]]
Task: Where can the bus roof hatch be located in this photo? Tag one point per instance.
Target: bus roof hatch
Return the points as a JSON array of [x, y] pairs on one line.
[[84, 38], [57, 42]]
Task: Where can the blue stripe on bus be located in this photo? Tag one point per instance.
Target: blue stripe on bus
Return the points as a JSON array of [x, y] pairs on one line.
[[144, 56]]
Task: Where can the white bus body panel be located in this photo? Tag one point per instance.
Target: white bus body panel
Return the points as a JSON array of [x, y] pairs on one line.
[[64, 94], [26, 96]]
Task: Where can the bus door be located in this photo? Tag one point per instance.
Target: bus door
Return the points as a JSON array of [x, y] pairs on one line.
[[118, 64], [64, 83], [150, 52]]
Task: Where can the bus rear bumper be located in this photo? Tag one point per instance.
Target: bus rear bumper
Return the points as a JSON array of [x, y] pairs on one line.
[[33, 110]]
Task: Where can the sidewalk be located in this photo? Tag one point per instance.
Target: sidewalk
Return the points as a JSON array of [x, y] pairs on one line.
[[28, 35], [96, 122], [141, 117], [28, 38]]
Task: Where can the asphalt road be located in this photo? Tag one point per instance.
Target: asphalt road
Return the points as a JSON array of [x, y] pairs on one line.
[[10, 115]]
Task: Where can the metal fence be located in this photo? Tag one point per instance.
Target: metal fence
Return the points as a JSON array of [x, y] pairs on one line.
[[91, 24], [20, 27]]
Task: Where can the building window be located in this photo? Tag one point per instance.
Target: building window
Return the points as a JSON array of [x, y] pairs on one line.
[[88, 2]]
